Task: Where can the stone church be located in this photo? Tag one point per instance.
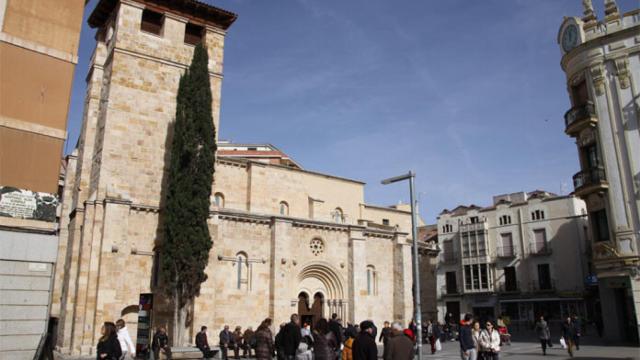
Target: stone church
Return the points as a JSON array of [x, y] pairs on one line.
[[285, 239]]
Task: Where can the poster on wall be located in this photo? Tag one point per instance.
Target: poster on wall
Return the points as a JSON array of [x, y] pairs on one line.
[[25, 204], [143, 339]]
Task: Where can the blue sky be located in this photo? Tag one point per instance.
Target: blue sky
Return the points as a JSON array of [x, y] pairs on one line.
[[468, 94]]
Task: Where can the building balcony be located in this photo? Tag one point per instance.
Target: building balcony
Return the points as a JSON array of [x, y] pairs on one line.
[[450, 257], [589, 181], [449, 291], [580, 117], [506, 252], [508, 288], [536, 249], [543, 286], [480, 226]]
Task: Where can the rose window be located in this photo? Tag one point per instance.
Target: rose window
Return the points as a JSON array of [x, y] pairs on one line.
[[317, 246]]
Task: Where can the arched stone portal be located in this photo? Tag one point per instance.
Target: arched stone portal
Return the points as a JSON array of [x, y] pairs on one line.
[[326, 285]]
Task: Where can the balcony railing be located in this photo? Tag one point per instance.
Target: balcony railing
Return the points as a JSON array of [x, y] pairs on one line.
[[590, 180], [444, 290], [579, 117], [474, 227], [539, 249], [506, 252], [450, 257], [504, 287], [543, 286]]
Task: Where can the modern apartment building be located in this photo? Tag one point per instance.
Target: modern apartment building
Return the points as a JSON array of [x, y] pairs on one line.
[[522, 256], [601, 60], [38, 55]]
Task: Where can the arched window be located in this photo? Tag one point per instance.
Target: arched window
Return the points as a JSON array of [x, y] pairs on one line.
[[338, 215], [372, 280], [242, 271], [284, 208], [505, 219], [218, 199]]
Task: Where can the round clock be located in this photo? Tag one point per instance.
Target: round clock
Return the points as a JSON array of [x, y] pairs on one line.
[[570, 37]]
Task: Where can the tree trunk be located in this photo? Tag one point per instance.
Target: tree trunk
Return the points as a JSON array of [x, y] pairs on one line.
[[176, 323]]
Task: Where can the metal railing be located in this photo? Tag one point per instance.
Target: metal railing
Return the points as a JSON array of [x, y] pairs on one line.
[[539, 249], [506, 251], [580, 112], [591, 176], [504, 287], [450, 257], [474, 227], [543, 286], [444, 290]]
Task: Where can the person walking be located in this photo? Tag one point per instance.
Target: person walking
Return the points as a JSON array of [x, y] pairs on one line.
[[350, 335], [467, 346], [400, 346], [108, 345], [291, 337], [476, 332], [237, 338], [385, 335], [336, 328], [248, 342], [364, 346], [202, 343], [264, 341], [542, 330], [226, 339], [325, 344], [490, 342], [128, 349], [160, 343], [569, 334], [577, 325]]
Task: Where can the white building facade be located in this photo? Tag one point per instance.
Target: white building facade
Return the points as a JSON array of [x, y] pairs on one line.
[[511, 258], [601, 60]]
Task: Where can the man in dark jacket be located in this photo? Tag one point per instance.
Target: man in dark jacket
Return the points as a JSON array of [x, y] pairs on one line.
[[364, 346], [385, 334], [336, 328], [226, 340], [160, 343], [569, 333], [577, 326], [467, 348], [291, 337], [203, 344], [400, 347]]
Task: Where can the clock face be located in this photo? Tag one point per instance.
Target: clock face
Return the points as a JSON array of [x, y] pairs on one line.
[[570, 37]]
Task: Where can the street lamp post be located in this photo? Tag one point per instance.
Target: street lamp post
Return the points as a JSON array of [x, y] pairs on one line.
[[416, 272]]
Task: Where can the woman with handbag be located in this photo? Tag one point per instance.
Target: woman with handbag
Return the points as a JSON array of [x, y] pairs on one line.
[[490, 342], [108, 345], [542, 329]]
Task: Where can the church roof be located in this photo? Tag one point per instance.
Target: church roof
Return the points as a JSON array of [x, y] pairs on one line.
[[196, 11]]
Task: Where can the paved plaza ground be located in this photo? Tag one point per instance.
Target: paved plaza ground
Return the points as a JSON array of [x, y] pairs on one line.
[[532, 351]]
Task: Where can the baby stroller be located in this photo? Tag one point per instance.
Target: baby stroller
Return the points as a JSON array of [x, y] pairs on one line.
[[505, 337]]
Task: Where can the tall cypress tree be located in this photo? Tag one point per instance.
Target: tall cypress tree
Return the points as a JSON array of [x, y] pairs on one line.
[[186, 244]]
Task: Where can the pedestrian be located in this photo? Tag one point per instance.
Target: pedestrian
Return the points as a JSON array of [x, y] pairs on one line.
[[542, 330], [577, 325], [237, 338], [476, 332], [226, 339], [325, 345], [264, 341], [336, 328], [202, 343], [305, 330], [364, 346], [400, 346], [385, 335], [128, 349], [279, 344], [490, 342], [569, 334], [248, 342], [434, 333], [467, 346], [413, 327], [291, 337], [350, 335], [160, 344], [108, 345]]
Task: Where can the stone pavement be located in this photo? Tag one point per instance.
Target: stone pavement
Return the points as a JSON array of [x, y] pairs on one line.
[[532, 351]]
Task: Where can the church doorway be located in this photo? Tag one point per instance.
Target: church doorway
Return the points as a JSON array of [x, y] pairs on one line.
[[310, 313]]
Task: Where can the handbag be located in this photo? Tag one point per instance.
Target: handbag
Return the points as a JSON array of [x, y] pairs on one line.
[[563, 343], [438, 345]]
